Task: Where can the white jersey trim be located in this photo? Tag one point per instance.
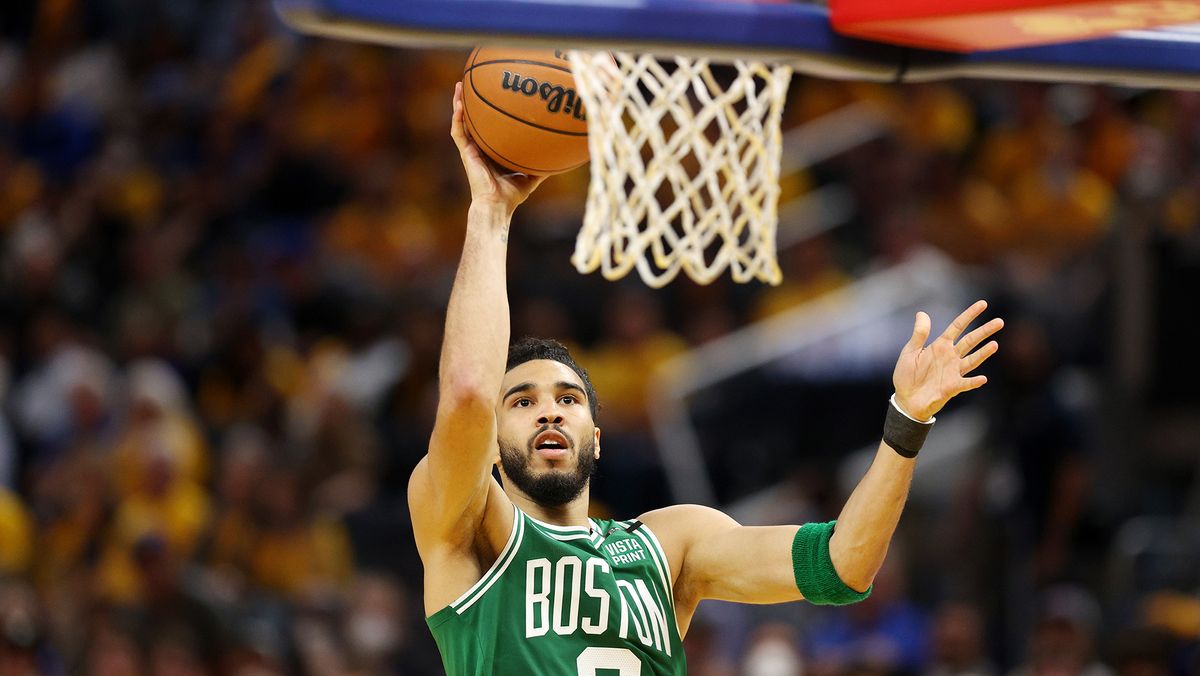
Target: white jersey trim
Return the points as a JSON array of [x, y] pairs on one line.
[[568, 538], [561, 529], [597, 537], [660, 561], [568, 533], [497, 568]]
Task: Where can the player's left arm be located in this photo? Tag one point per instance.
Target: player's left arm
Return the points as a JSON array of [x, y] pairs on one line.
[[716, 558], [712, 556], [926, 377]]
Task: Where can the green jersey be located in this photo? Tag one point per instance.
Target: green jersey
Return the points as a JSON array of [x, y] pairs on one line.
[[560, 601]]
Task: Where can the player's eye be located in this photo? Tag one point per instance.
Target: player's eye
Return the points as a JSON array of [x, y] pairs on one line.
[[523, 402], [568, 399]]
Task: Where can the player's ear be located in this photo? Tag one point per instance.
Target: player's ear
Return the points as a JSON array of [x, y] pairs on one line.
[[596, 452]]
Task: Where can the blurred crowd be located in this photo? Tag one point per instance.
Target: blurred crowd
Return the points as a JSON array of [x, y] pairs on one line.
[[227, 251]]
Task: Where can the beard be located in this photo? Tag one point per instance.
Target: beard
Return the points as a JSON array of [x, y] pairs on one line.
[[554, 487]]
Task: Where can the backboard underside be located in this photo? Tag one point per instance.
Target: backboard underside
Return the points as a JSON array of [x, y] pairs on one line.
[[795, 33]]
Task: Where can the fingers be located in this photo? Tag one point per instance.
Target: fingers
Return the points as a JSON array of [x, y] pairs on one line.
[[920, 333], [973, 339], [473, 160], [974, 383], [458, 130], [972, 362], [964, 320]]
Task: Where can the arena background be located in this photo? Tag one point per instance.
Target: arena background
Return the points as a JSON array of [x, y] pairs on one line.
[[226, 255]]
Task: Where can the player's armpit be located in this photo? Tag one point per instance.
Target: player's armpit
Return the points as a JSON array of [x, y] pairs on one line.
[[714, 557]]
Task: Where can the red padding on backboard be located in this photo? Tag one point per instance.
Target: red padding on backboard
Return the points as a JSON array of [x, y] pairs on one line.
[[976, 25]]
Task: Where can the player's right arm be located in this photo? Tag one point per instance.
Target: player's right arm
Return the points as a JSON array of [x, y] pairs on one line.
[[449, 488]]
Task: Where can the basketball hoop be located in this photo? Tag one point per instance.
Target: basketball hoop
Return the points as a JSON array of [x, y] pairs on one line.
[[685, 167]]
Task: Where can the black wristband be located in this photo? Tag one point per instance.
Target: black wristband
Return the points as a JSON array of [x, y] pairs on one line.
[[902, 433]]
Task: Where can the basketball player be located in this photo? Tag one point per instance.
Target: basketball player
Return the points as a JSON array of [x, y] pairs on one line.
[[518, 579]]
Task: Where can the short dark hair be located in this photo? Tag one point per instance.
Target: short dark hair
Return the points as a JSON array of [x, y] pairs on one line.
[[529, 348]]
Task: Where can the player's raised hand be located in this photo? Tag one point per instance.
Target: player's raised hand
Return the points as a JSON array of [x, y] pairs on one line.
[[489, 182], [927, 376]]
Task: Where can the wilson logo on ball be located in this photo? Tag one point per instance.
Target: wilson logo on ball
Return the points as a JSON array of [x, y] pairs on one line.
[[557, 97]]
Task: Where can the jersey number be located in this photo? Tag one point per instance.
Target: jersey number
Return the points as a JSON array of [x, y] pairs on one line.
[[621, 660]]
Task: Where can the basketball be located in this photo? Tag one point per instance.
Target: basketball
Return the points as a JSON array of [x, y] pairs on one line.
[[521, 108]]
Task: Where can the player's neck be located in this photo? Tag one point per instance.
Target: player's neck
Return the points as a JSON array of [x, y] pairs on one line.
[[574, 513]]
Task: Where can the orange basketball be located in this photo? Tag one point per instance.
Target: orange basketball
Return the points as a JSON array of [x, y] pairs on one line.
[[522, 109]]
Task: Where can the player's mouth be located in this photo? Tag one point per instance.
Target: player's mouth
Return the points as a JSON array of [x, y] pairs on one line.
[[551, 445]]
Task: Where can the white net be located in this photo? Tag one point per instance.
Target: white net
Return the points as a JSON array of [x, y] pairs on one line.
[[685, 167]]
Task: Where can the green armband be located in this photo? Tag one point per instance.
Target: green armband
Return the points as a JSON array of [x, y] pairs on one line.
[[815, 575]]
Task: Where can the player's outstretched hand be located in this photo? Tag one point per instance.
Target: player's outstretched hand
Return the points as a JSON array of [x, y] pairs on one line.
[[490, 183], [928, 376]]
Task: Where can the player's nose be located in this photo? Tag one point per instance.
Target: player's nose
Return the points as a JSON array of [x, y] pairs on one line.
[[550, 416]]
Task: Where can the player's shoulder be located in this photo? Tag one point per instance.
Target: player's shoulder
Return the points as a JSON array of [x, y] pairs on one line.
[[685, 515], [490, 514], [681, 527], [681, 524]]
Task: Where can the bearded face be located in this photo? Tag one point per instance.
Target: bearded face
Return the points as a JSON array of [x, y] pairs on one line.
[[546, 434], [550, 487]]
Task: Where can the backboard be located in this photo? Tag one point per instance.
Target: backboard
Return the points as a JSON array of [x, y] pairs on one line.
[[796, 33]]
